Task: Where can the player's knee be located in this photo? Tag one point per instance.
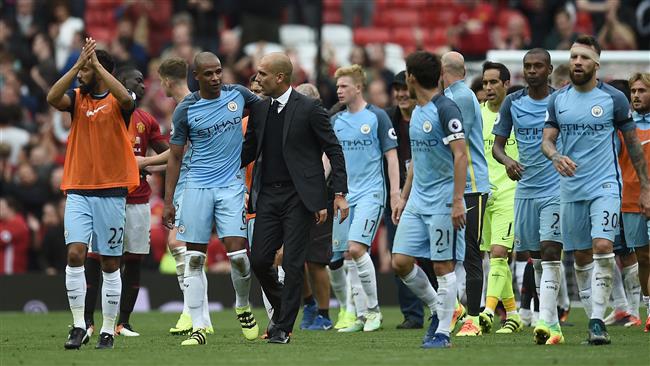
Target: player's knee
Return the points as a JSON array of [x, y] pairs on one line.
[[443, 268], [643, 256], [196, 263], [110, 264], [401, 265], [76, 255], [602, 246], [357, 250], [498, 251], [583, 257], [551, 252]]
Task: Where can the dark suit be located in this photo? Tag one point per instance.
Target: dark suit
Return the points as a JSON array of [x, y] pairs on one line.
[[285, 210]]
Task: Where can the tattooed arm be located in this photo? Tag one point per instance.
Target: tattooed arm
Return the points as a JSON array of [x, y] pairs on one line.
[[640, 165]]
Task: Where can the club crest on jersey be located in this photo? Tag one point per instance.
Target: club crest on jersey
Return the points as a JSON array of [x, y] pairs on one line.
[[181, 229], [596, 111], [427, 126], [455, 126], [365, 129], [140, 127], [391, 134], [232, 106]]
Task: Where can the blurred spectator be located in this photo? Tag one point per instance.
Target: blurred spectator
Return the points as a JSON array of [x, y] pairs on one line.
[[642, 24], [30, 193], [377, 93], [52, 242], [232, 56], [44, 72], [28, 24], [63, 31], [516, 35], [304, 12], [10, 135], [205, 19], [471, 34], [560, 77], [183, 45], [152, 16], [378, 69], [126, 38], [14, 238], [260, 20], [357, 13], [616, 35], [12, 46], [564, 34]]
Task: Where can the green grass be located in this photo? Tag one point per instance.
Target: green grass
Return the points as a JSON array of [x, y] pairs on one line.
[[37, 339]]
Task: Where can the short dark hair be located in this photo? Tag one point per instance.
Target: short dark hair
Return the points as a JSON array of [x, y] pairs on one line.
[[173, 68], [477, 84], [425, 67], [123, 72], [590, 41], [504, 73], [106, 60], [623, 86], [540, 51]]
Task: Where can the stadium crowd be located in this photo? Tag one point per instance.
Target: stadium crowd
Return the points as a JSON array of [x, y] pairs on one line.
[[40, 40]]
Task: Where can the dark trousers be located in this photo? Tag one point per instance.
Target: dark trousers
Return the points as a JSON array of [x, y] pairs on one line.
[[409, 304], [473, 263], [281, 218]]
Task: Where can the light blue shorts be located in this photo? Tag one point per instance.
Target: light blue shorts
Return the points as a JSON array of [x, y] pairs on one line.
[[583, 221], [204, 206], [536, 220], [360, 226], [637, 229], [178, 200], [250, 226], [98, 221], [429, 236]]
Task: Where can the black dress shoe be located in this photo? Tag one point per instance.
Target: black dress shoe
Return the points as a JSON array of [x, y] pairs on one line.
[[279, 336], [409, 324]]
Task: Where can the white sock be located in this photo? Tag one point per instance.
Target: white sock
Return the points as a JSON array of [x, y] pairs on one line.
[[194, 286], [632, 287], [267, 305], [418, 282], [550, 286], [646, 301], [206, 303], [486, 271], [619, 300], [358, 295], [111, 293], [339, 285], [563, 295], [520, 267], [179, 256], [461, 283], [583, 280], [281, 275], [446, 302], [601, 284], [537, 266], [75, 284], [368, 279], [240, 273], [349, 305]]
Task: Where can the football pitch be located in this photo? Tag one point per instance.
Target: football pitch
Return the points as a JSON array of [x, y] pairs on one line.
[[37, 339]]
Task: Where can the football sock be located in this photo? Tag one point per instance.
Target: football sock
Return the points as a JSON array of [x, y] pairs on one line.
[[537, 266], [549, 290], [497, 277], [111, 293], [75, 284], [508, 295], [619, 300], [418, 282], [601, 285], [325, 313], [339, 285], [93, 270], [240, 273], [358, 296], [368, 280], [179, 256], [563, 295], [206, 303], [446, 302], [194, 287], [520, 267], [632, 287], [583, 280], [130, 286], [309, 300], [281, 274]]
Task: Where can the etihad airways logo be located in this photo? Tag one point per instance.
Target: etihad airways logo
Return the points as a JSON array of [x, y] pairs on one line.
[[92, 113]]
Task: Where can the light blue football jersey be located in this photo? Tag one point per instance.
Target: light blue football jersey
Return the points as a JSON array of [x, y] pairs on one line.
[[527, 116], [213, 127], [477, 166], [587, 123], [433, 126], [365, 136]]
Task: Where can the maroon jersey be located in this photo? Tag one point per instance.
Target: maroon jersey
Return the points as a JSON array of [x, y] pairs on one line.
[[144, 130], [14, 244]]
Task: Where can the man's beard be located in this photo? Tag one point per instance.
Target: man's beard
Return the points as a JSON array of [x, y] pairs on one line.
[[581, 80], [89, 87]]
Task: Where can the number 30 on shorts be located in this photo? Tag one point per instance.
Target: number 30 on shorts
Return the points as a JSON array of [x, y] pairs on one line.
[[610, 219]]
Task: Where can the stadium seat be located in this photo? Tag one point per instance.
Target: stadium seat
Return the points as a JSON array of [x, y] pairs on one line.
[[267, 47], [336, 34], [294, 34], [307, 57], [403, 36], [332, 16], [394, 57], [363, 36], [396, 17]]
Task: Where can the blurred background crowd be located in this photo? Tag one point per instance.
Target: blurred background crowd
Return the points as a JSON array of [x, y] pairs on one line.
[[41, 39]]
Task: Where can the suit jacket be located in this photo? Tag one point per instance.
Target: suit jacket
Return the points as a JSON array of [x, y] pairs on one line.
[[307, 134]]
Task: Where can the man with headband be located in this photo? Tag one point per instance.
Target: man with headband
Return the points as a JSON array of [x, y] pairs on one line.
[[585, 115]]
